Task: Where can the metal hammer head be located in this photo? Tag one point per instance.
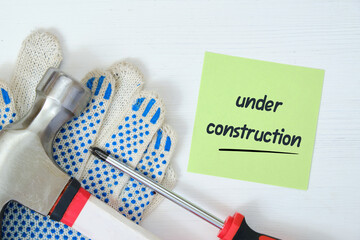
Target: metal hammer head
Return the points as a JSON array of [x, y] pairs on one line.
[[28, 173]]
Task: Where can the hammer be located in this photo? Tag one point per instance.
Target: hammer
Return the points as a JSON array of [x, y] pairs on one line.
[[30, 176]]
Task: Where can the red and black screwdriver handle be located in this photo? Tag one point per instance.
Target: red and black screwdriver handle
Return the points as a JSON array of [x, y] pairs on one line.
[[236, 228]]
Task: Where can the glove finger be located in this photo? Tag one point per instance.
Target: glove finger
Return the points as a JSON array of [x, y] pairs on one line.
[[19, 222], [7, 109], [129, 81], [168, 182], [39, 51], [136, 197], [128, 140], [70, 148]]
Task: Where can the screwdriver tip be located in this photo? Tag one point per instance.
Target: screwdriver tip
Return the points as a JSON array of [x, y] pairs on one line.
[[98, 153]]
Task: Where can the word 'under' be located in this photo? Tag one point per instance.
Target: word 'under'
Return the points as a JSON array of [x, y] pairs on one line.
[[259, 104]]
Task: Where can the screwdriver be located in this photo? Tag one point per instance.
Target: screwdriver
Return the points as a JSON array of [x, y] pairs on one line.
[[234, 228]]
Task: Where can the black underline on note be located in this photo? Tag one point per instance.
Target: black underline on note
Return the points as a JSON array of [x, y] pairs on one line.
[[251, 150]]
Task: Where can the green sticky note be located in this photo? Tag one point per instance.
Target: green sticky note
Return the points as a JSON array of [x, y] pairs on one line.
[[256, 121]]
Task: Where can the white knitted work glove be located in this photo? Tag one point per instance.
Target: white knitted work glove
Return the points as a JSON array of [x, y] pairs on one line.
[[107, 122], [126, 121]]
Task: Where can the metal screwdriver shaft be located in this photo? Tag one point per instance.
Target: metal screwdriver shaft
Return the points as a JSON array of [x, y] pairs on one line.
[[158, 188]]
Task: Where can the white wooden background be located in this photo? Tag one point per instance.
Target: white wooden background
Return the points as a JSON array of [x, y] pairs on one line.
[[167, 39]]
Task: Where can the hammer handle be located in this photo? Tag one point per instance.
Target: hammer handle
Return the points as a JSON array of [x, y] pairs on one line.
[[78, 209], [97, 220]]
